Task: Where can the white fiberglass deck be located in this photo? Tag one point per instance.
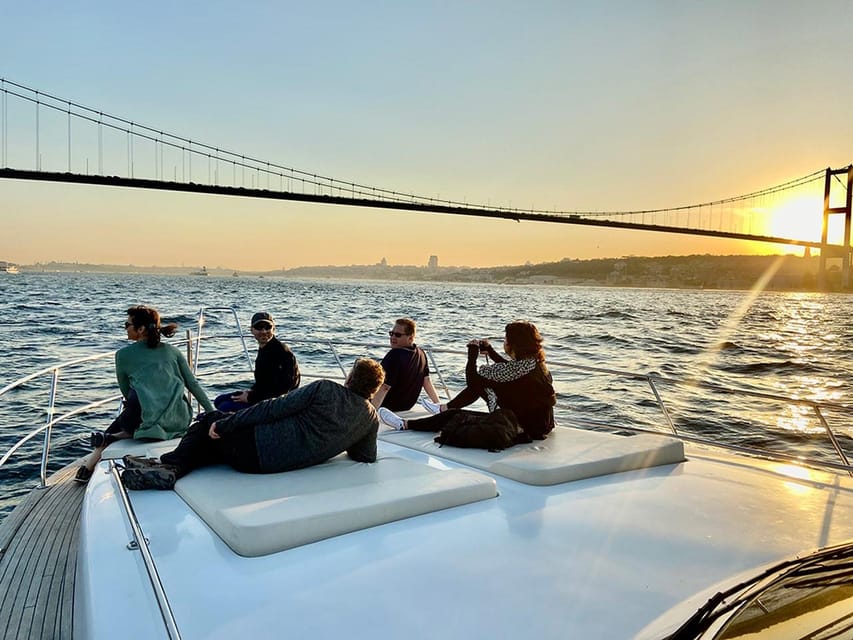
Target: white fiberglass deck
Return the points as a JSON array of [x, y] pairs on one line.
[[595, 558], [260, 514], [566, 455]]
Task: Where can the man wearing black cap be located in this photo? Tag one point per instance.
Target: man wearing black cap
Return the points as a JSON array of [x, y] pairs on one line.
[[276, 369]]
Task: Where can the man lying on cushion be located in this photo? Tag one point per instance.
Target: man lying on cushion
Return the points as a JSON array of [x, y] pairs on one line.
[[303, 428]]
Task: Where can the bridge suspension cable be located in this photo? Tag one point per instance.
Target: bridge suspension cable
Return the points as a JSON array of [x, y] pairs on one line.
[[716, 217]]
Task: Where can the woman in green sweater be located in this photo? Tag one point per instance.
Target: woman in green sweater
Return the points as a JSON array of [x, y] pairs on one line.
[[152, 376]]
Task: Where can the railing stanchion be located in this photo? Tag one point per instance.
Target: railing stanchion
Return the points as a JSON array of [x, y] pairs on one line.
[[45, 449], [198, 342], [337, 359], [190, 358], [190, 362], [661, 404], [242, 339], [428, 351], [832, 437]]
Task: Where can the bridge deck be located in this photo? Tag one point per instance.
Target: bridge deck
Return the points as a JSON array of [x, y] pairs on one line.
[[437, 206], [38, 558]]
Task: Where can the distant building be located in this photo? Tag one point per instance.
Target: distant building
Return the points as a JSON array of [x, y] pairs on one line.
[[383, 263], [433, 263]]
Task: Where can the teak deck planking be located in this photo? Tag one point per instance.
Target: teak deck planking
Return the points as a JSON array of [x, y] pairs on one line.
[[38, 559]]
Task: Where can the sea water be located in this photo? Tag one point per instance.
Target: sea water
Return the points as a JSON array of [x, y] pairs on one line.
[[791, 344]]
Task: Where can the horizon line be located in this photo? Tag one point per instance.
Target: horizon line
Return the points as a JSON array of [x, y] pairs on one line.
[[389, 265]]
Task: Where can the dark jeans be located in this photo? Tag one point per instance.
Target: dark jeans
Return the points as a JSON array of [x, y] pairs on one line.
[[130, 417], [197, 449], [468, 395], [225, 403], [437, 422]]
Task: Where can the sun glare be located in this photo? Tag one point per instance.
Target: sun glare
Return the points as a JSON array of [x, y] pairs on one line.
[[801, 476], [798, 218]]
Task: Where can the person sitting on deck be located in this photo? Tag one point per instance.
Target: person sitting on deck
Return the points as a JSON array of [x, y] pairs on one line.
[[406, 370], [152, 376], [303, 428], [276, 369], [521, 384]]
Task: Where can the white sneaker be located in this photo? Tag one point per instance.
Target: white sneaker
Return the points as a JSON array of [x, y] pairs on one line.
[[429, 405], [391, 419]]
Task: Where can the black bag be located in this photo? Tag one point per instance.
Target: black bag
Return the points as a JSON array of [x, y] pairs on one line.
[[493, 431]]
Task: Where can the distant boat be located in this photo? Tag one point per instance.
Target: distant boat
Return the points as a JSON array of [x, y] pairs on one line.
[[11, 268], [235, 275], [203, 272]]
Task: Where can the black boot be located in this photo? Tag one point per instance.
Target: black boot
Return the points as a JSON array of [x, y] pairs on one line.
[[101, 439]]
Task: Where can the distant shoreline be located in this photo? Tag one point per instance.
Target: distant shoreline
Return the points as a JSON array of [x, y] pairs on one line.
[[782, 273]]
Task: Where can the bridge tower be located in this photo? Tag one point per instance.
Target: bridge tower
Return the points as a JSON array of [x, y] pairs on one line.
[[828, 211]]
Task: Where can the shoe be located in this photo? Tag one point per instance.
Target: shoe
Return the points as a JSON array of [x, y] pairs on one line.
[[429, 405], [159, 477], [391, 419], [83, 475], [138, 462], [101, 439]]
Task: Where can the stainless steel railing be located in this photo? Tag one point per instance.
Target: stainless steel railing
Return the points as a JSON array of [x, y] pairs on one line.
[[654, 381], [140, 543], [200, 322], [51, 418], [335, 348]]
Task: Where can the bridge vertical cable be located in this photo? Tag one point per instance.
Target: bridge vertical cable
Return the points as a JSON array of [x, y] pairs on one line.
[[38, 142], [93, 131], [4, 124], [69, 138]]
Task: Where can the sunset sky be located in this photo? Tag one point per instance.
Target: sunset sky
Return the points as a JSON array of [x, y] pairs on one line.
[[554, 105]]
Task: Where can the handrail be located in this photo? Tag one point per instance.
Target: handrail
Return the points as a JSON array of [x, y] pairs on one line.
[[62, 418], [712, 386], [140, 543], [653, 381], [63, 365], [200, 325]]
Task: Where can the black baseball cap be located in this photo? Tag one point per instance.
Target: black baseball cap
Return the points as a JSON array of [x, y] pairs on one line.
[[262, 316]]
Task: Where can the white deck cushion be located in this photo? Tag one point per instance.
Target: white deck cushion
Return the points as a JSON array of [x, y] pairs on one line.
[[566, 454], [150, 449], [258, 514]]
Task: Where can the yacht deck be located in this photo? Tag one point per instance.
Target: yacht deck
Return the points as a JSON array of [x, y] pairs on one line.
[[38, 556]]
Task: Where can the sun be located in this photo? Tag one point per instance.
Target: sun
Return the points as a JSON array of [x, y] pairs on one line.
[[798, 218]]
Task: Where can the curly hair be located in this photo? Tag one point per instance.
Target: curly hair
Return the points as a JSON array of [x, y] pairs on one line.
[[525, 341], [366, 377]]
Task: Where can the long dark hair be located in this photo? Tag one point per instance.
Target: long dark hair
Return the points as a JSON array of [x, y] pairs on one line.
[[148, 318], [525, 340]]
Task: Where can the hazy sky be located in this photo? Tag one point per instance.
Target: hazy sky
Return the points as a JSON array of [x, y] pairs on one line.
[[568, 105]]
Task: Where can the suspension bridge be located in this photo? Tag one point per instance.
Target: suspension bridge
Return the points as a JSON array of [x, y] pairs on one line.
[[59, 140]]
